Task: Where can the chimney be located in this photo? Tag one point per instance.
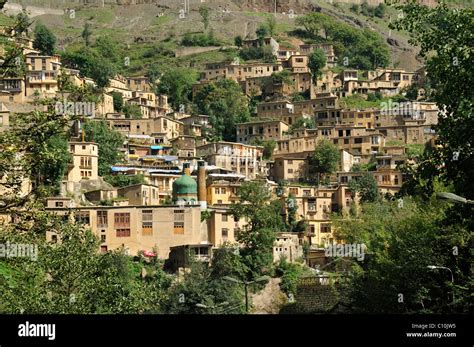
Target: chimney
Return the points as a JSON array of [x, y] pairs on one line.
[[186, 169], [202, 189]]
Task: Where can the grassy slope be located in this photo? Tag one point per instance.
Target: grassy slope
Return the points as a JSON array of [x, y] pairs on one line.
[[128, 23]]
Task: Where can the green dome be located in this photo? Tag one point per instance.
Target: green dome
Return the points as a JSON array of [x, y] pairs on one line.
[[185, 185]]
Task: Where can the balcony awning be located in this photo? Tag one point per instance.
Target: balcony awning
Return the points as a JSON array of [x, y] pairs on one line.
[[156, 147]]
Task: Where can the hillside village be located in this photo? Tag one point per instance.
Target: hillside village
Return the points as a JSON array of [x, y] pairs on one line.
[[168, 148], [322, 137]]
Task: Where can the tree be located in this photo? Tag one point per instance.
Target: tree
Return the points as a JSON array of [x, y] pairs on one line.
[[107, 48], [302, 123], [366, 186], [201, 292], [124, 180], [132, 111], [52, 170], [22, 23], [45, 41], [238, 41], [118, 101], [324, 160], [86, 34], [401, 243], [91, 64], [271, 25], [317, 61], [443, 34], [153, 74], [177, 84], [109, 141], [314, 22], [355, 8], [261, 33], [225, 104], [380, 10], [268, 147], [263, 220], [204, 12]]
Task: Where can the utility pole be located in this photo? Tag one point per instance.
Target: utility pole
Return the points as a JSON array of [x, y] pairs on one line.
[[246, 284]]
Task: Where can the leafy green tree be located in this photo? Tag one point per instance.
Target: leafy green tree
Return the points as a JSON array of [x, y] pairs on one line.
[[177, 84], [261, 32], [153, 74], [45, 41], [314, 22], [366, 187], [268, 147], [402, 243], [271, 25], [132, 111], [202, 292], [91, 64], [52, 169], [34, 143], [87, 34], [108, 48], [443, 34], [204, 12], [226, 105], [263, 220], [290, 274], [355, 8], [324, 160], [109, 141], [317, 61], [118, 101], [380, 10], [302, 123], [22, 23], [124, 180], [238, 41]]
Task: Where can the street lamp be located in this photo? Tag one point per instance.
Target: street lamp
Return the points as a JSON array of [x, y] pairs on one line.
[[246, 284], [434, 267], [454, 198]]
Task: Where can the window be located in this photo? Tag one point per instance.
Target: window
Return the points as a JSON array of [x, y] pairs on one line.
[[325, 228], [147, 215], [225, 233], [224, 218], [102, 219], [147, 228], [59, 204], [83, 217], [102, 238], [290, 171], [179, 215], [358, 140], [178, 228], [122, 220], [103, 249], [54, 238], [123, 232]]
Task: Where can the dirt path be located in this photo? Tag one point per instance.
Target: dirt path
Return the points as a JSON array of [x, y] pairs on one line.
[[270, 299]]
